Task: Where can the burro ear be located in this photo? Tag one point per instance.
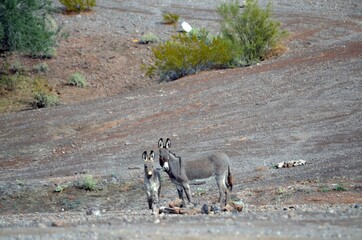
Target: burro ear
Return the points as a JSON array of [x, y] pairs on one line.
[[168, 143], [160, 143], [144, 155], [152, 155]]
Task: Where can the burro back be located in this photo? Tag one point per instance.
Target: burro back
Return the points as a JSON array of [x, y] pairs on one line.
[[182, 172], [152, 181]]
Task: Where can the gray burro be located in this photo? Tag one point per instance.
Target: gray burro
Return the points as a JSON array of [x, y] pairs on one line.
[[152, 182], [181, 172]]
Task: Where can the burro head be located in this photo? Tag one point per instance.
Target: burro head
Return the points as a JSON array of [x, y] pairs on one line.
[[148, 163], [163, 147]]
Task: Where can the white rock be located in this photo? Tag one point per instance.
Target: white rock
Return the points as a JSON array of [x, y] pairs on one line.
[[186, 27]]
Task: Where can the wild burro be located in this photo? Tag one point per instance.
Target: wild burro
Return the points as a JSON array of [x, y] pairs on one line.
[[181, 172], [152, 182]]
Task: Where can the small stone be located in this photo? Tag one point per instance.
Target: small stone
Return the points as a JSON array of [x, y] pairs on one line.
[[58, 224], [237, 206], [205, 209], [175, 203], [228, 208], [280, 165], [215, 209]]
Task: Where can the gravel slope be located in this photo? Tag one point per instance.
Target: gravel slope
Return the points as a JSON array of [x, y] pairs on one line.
[[305, 104]]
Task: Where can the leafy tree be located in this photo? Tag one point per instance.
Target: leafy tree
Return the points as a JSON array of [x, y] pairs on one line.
[[26, 26]]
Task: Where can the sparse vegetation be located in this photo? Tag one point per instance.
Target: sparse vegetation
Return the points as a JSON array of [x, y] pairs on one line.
[[170, 18], [339, 187], [41, 67], [149, 38], [17, 67], [334, 187], [78, 5], [130, 185], [89, 183], [71, 204], [200, 191], [48, 53], [60, 188], [201, 34], [20, 183], [18, 90], [8, 83], [44, 100], [42, 94], [78, 80], [280, 190]]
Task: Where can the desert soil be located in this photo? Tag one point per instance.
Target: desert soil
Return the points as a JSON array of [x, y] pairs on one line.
[[305, 104]]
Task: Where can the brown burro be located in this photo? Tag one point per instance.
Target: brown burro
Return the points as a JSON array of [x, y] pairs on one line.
[[152, 182], [181, 172]]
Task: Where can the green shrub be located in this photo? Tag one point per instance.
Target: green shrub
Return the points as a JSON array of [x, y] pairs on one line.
[[339, 187], [44, 100], [251, 30], [149, 38], [170, 18], [8, 83], [60, 188], [25, 26], [78, 80], [89, 183], [17, 67], [201, 34], [41, 67], [78, 5], [48, 53], [186, 54]]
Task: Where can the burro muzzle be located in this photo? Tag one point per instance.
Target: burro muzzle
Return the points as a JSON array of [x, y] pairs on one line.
[[181, 171]]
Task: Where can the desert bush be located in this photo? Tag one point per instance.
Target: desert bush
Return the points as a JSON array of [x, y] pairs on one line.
[[251, 30], [41, 67], [60, 188], [17, 67], [44, 100], [78, 5], [43, 96], [339, 187], [89, 183], [48, 53], [78, 80], [8, 83], [186, 54], [25, 26], [149, 38], [170, 18], [201, 34]]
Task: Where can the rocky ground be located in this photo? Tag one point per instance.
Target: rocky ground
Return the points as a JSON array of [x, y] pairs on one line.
[[305, 104]]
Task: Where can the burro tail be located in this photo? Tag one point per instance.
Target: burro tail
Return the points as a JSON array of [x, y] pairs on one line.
[[230, 180]]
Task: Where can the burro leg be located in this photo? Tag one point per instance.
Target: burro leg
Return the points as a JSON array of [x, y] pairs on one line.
[[223, 191], [186, 187], [180, 191], [155, 203]]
